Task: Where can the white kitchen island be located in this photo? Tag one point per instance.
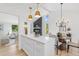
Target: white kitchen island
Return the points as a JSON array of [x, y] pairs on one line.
[[38, 46]]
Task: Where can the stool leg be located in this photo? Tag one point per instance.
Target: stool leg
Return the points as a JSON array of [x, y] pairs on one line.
[[56, 48], [67, 48]]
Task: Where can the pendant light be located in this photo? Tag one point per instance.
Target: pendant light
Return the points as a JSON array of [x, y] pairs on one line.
[[61, 9], [60, 20], [30, 15], [60, 23], [37, 12]]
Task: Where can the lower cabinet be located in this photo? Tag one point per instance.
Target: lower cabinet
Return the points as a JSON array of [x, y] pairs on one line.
[[35, 48], [39, 49]]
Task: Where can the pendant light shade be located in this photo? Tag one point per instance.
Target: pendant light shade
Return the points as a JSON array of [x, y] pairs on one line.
[[37, 12], [30, 15]]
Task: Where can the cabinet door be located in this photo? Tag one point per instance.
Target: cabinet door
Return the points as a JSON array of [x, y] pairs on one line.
[[39, 49], [50, 47], [29, 45]]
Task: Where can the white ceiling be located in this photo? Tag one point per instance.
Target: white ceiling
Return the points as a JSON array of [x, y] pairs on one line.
[[6, 18], [17, 8]]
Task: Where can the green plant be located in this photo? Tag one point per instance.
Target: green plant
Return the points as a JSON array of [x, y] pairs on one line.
[[14, 28]]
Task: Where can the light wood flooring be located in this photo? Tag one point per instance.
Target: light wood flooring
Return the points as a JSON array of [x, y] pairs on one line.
[[70, 53], [11, 50]]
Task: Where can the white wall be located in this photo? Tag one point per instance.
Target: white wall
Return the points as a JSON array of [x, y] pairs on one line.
[[52, 24], [74, 22], [7, 28]]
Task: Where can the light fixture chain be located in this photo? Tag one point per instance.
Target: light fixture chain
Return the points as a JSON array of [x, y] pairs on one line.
[[37, 6], [30, 9], [61, 10]]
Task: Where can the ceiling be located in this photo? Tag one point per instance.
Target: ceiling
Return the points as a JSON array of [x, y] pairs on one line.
[[6, 18], [15, 9]]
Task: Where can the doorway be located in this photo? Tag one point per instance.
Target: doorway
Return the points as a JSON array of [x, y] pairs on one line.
[[8, 29]]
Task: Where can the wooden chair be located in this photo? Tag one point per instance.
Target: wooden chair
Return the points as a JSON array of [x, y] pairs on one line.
[[61, 43]]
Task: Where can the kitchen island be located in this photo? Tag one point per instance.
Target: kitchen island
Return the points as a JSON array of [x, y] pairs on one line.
[[38, 46]]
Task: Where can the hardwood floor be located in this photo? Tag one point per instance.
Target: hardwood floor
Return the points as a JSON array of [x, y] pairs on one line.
[[70, 53], [11, 51]]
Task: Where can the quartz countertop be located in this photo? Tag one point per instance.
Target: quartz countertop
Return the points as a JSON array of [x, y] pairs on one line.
[[42, 39]]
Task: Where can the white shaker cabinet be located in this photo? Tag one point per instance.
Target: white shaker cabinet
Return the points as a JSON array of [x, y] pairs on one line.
[[38, 46]]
